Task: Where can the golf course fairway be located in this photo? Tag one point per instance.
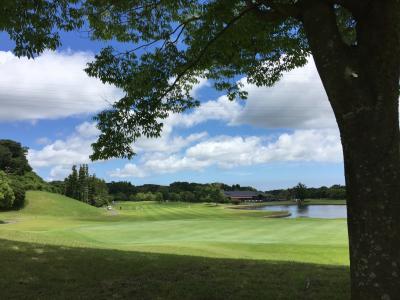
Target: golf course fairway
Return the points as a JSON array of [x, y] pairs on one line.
[[60, 248]]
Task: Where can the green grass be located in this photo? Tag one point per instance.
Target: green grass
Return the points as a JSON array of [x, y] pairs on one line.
[[65, 249]]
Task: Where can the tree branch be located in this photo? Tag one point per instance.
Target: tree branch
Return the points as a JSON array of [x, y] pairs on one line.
[[270, 11], [194, 62], [286, 10], [179, 28]]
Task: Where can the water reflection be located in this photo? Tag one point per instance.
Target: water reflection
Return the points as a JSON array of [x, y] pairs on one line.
[[311, 211]]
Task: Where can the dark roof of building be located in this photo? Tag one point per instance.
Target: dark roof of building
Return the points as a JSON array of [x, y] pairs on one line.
[[241, 193]]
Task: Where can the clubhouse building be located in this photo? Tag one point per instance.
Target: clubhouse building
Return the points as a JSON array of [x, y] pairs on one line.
[[244, 195]]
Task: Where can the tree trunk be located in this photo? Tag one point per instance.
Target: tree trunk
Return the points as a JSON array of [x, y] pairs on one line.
[[372, 170], [362, 84]]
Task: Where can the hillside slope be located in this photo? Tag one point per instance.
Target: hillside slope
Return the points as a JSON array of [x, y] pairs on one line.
[[45, 203]]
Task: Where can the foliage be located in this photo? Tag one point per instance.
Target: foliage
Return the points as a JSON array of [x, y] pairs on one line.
[[235, 201], [149, 196], [196, 192], [31, 181], [57, 186], [83, 183], [72, 184], [171, 44], [122, 189], [98, 191], [35, 25], [334, 192], [237, 187], [176, 191], [19, 174], [6, 193], [86, 188], [300, 191], [13, 158], [19, 189]]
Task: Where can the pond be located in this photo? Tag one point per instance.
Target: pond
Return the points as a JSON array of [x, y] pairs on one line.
[[310, 211]]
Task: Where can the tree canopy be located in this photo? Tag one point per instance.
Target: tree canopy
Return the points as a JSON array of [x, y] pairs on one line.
[[84, 187], [172, 44], [13, 158], [34, 25]]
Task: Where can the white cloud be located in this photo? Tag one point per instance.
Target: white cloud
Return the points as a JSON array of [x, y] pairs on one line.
[[87, 130], [297, 101], [51, 86], [59, 173], [197, 87], [73, 150], [228, 152], [129, 170], [221, 110], [167, 143]]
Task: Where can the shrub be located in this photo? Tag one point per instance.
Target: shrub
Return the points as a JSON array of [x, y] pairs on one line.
[[235, 201], [6, 193], [19, 193]]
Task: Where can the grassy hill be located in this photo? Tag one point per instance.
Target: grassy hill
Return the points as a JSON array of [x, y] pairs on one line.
[[50, 204], [63, 249]]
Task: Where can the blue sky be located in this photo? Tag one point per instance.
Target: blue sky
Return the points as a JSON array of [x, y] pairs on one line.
[[278, 137]]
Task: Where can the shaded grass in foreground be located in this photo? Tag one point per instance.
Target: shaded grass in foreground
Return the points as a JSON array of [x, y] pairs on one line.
[[33, 271]]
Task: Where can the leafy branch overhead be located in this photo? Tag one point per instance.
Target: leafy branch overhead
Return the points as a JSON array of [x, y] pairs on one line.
[[168, 46], [171, 44], [34, 25]]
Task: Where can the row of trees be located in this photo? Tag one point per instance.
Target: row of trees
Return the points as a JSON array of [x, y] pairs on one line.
[[84, 187], [177, 191], [334, 192], [213, 192]]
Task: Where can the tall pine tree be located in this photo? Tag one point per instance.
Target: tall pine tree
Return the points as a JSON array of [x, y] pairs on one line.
[[71, 184], [83, 187]]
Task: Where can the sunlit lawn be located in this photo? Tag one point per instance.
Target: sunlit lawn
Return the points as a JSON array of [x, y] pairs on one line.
[[61, 248]]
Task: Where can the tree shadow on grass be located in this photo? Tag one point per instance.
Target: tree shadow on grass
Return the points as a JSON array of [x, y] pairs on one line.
[[36, 271]]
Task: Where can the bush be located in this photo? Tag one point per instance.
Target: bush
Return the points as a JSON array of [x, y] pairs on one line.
[[19, 193], [100, 200], [235, 201], [6, 193], [31, 181], [157, 196]]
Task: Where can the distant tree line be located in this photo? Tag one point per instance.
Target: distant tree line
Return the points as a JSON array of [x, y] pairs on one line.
[[82, 186], [177, 191], [214, 192], [237, 187], [333, 192]]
